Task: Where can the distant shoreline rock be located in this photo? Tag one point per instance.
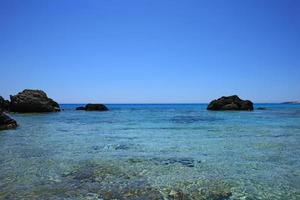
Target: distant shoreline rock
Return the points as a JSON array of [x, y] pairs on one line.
[[261, 108], [80, 108], [230, 103], [32, 101], [6, 122], [291, 102], [93, 107]]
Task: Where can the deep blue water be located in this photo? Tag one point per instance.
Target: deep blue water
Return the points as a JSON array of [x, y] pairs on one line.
[[143, 151]]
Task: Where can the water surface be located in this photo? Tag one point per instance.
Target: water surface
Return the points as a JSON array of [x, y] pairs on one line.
[[168, 151]]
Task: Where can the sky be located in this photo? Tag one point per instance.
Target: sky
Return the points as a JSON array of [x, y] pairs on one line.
[[151, 51]]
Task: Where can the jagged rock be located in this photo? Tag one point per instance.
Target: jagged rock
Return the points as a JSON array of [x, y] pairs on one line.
[[32, 101], [230, 103], [6, 122], [4, 104], [93, 107]]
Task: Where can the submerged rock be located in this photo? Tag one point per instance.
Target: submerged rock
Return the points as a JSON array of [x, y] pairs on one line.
[[93, 107], [6, 122], [177, 194], [32, 101], [111, 182], [230, 103], [4, 104], [200, 190], [187, 162]]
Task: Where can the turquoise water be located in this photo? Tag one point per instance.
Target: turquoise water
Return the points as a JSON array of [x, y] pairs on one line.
[[175, 151]]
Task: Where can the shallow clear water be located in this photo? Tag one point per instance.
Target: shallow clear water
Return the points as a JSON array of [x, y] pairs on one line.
[[153, 152]]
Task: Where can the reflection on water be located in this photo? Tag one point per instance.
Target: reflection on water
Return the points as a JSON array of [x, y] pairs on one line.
[[153, 152]]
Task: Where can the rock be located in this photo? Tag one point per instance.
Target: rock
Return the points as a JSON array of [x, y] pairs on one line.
[[177, 194], [32, 101], [4, 104], [291, 102], [93, 107], [6, 122], [96, 107], [261, 108], [230, 103], [187, 162], [80, 108]]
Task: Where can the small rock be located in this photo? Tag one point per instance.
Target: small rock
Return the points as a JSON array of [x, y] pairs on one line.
[[80, 108], [261, 108], [92, 196], [176, 194], [93, 107], [6, 122], [291, 102]]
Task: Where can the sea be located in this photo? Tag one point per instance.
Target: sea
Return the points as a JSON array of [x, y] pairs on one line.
[[153, 151]]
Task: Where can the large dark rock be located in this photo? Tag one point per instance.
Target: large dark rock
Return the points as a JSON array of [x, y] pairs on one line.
[[6, 122], [230, 103], [32, 101], [93, 107], [4, 104]]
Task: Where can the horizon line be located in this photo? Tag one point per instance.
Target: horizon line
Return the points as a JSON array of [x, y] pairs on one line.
[[171, 103]]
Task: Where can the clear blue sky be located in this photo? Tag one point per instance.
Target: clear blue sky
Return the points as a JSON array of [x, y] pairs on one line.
[[151, 51]]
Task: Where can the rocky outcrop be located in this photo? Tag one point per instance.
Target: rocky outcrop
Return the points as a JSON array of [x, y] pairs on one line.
[[93, 107], [6, 122], [230, 103], [32, 101], [4, 104]]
